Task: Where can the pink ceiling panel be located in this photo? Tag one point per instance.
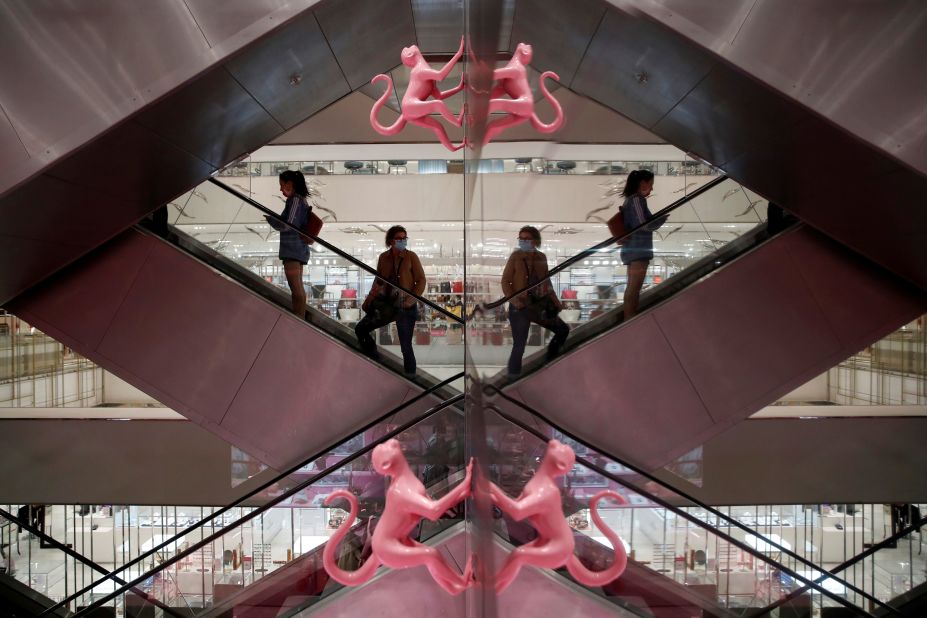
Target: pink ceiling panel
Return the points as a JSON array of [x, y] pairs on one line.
[[748, 330], [602, 391], [862, 301], [314, 389], [186, 331], [77, 305]]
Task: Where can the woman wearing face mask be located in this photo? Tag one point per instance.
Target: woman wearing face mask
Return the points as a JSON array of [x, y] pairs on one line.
[[637, 250], [386, 304], [293, 251], [525, 267]]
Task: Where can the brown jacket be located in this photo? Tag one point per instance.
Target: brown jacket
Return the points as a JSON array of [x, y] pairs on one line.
[[515, 276], [411, 275]]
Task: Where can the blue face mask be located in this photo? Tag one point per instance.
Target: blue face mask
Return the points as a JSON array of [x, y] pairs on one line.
[[525, 245], [401, 244]]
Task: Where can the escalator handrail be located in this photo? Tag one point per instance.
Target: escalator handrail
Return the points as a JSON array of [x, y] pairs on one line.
[[677, 510], [112, 574], [595, 248], [848, 563], [266, 507], [347, 256], [68, 551]]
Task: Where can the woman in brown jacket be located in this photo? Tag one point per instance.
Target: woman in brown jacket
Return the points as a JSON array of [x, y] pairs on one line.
[[525, 267], [386, 304]]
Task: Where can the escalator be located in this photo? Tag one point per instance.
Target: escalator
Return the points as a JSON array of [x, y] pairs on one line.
[[165, 96], [219, 345], [745, 326], [656, 584], [789, 104]]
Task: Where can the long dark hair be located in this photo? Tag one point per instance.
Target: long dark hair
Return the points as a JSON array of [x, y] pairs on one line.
[[633, 184], [298, 180]]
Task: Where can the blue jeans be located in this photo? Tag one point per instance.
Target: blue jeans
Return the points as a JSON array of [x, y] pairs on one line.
[[521, 323], [405, 325]]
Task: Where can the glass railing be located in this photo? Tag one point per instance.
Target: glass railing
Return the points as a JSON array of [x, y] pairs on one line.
[[46, 566], [38, 372], [202, 569], [130, 540], [700, 232], [893, 571], [516, 165], [665, 531]]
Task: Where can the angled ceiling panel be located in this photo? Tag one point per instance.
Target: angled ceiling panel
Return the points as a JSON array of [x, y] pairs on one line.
[[439, 24], [292, 74], [213, 118], [89, 60], [639, 68], [221, 19], [559, 32], [366, 36]]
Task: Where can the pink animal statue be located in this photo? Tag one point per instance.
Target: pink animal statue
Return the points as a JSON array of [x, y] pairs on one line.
[[406, 504], [512, 80], [540, 504], [416, 105]]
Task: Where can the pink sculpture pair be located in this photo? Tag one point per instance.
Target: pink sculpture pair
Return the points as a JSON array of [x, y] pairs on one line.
[[511, 94], [407, 502]]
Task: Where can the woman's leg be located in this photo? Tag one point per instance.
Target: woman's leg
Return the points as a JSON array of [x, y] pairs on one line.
[[294, 278], [518, 318], [637, 270], [405, 325]]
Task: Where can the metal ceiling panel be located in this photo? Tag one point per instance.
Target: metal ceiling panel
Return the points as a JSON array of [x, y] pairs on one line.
[[639, 68], [90, 60], [559, 32], [725, 115], [12, 150], [133, 165], [221, 19], [293, 73], [212, 118], [439, 24], [366, 36], [859, 63]]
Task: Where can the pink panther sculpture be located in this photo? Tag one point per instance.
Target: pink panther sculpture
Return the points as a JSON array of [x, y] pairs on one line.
[[540, 504], [406, 504], [416, 107], [512, 80]]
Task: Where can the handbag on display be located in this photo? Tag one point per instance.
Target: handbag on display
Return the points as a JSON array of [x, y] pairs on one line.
[[616, 226]]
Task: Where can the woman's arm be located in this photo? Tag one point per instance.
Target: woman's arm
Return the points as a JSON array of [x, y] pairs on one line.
[[508, 281]]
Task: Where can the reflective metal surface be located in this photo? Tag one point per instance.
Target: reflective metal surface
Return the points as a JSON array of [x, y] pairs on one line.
[[638, 68], [212, 350], [366, 35], [710, 348], [438, 25], [558, 31], [221, 19], [213, 118], [292, 74], [857, 63], [91, 62]]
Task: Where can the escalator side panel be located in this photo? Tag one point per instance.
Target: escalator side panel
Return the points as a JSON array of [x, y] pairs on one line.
[[738, 340], [212, 350], [760, 136]]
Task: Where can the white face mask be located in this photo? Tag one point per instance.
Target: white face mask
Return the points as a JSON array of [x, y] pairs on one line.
[[525, 245]]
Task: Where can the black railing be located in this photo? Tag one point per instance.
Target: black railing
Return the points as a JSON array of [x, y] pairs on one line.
[[67, 550], [262, 509], [605, 243], [112, 575], [335, 250], [715, 512]]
